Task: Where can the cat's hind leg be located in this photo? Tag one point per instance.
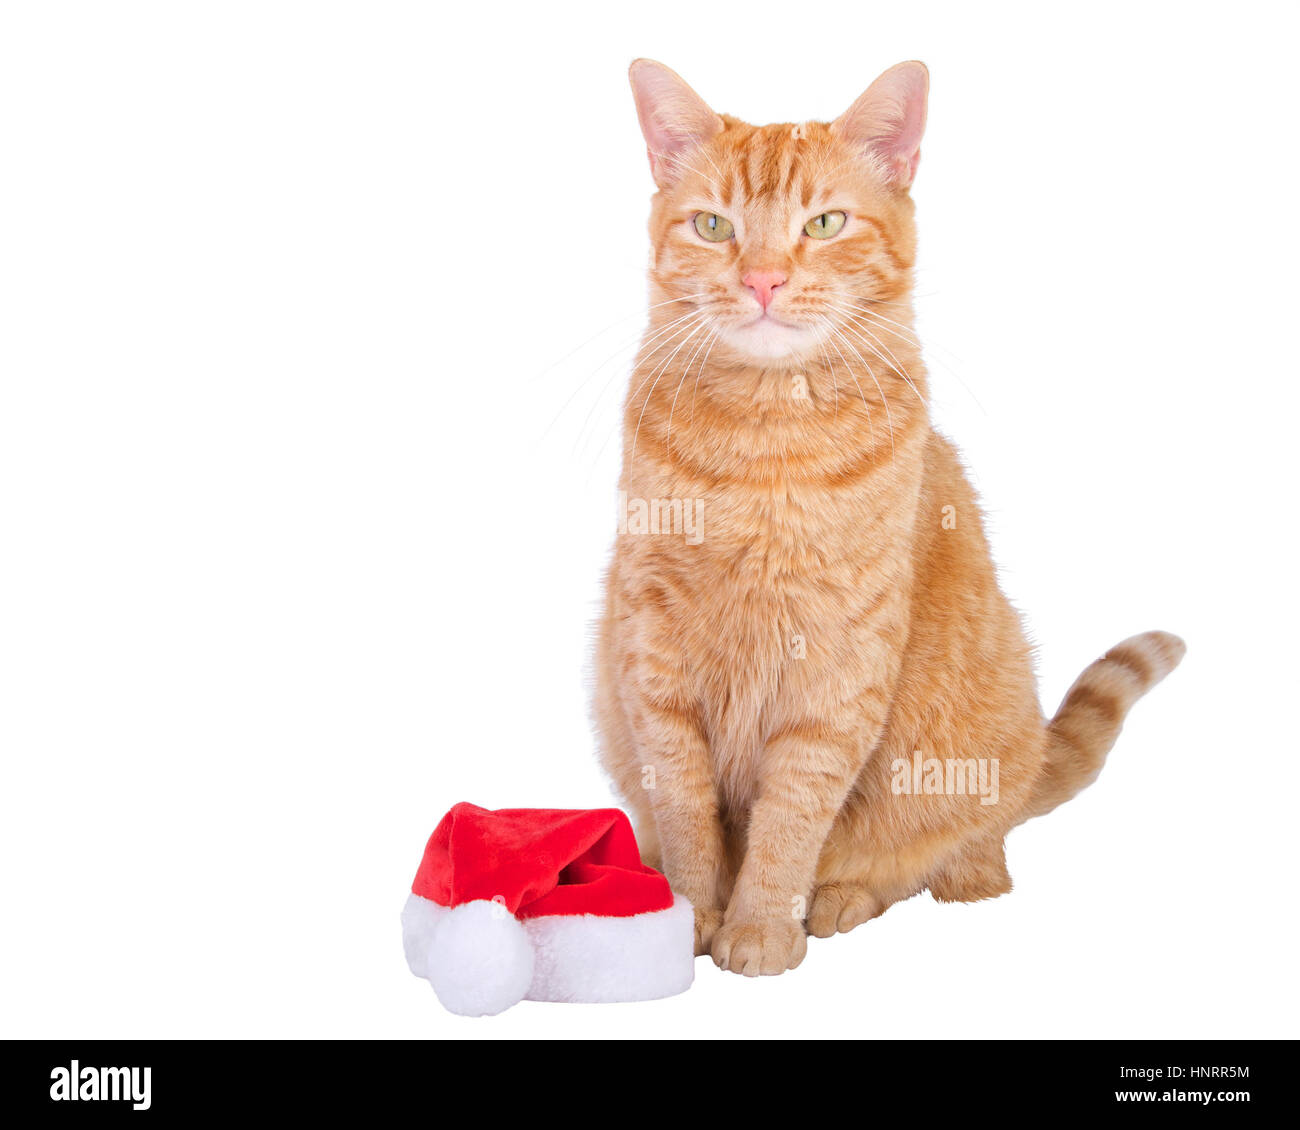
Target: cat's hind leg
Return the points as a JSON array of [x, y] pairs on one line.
[[837, 907], [857, 882], [978, 870]]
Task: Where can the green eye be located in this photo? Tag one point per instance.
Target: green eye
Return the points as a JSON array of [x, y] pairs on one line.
[[825, 225], [713, 228]]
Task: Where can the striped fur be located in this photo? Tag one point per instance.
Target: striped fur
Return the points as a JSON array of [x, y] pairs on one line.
[[1092, 714], [758, 687]]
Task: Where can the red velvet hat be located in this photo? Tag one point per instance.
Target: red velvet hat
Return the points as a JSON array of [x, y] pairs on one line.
[[543, 904]]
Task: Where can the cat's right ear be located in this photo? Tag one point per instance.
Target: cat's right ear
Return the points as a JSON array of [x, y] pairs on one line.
[[674, 119]]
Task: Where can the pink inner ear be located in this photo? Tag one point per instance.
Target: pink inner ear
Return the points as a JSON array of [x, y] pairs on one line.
[[673, 117], [889, 119]]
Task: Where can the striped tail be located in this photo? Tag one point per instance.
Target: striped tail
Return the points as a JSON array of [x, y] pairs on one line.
[[1092, 714]]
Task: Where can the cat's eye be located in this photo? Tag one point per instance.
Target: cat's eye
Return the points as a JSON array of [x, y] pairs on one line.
[[826, 225], [714, 228]]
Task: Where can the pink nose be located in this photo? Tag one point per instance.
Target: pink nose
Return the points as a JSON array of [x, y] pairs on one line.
[[763, 283]]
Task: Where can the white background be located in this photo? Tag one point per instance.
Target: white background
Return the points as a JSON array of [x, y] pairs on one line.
[[305, 493]]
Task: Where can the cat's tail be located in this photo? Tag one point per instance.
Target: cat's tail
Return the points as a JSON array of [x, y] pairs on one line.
[[1092, 713]]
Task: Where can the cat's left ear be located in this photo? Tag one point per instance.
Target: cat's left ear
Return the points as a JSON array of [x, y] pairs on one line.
[[674, 119], [887, 121]]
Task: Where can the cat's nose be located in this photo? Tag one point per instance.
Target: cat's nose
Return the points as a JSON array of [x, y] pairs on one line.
[[763, 283]]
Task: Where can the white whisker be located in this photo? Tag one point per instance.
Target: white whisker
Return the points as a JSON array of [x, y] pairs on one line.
[[853, 376], [858, 329], [640, 358], [658, 373], [617, 322], [870, 311], [889, 416], [643, 341], [668, 445], [835, 384], [698, 372]]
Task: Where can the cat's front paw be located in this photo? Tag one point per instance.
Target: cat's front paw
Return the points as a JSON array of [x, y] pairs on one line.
[[707, 921], [765, 946]]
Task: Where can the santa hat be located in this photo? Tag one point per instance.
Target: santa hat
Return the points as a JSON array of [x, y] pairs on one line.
[[546, 905]]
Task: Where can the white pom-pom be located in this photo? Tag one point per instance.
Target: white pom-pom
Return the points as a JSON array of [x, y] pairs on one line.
[[479, 959], [420, 918]]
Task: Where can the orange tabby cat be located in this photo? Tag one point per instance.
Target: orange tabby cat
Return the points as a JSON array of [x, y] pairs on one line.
[[810, 690]]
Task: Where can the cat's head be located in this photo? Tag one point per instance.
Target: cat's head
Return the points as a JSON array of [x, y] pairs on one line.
[[775, 233]]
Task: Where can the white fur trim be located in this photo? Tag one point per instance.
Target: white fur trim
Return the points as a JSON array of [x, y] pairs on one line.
[[582, 958], [589, 959]]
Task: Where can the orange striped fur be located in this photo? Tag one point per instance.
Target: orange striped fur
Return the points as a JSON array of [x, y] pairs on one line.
[[760, 686]]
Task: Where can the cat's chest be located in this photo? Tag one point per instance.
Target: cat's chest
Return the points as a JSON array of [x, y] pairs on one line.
[[763, 607]]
